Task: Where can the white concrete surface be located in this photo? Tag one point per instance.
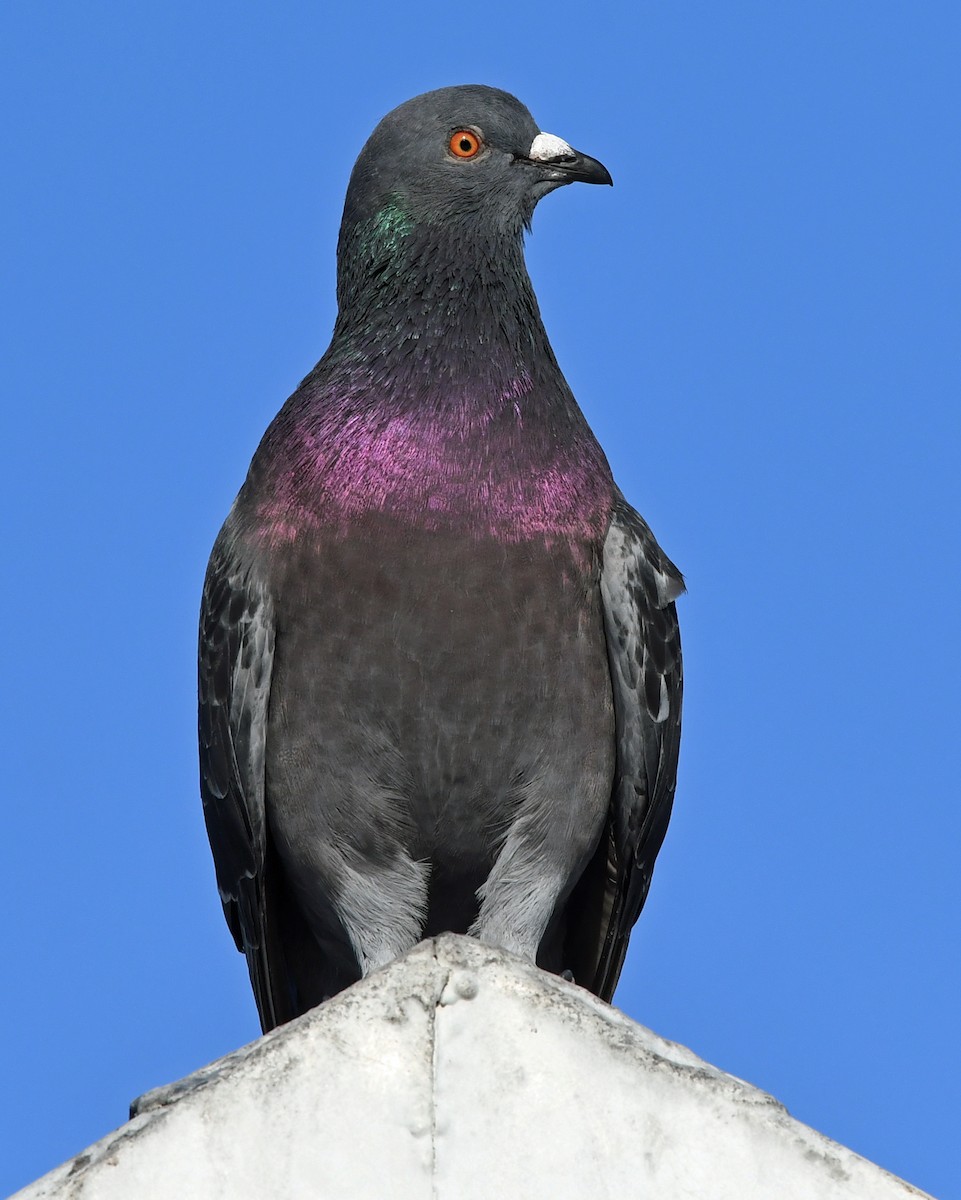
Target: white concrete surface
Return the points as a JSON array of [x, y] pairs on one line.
[[457, 1073]]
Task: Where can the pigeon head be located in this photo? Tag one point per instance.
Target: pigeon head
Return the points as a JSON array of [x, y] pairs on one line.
[[463, 150], [445, 185]]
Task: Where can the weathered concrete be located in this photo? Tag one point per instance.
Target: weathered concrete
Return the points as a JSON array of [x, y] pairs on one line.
[[461, 1072]]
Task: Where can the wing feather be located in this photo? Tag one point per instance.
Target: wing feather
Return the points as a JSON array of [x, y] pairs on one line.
[[235, 660], [639, 584]]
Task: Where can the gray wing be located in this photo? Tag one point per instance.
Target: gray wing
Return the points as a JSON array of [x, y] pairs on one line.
[[235, 660], [639, 584]]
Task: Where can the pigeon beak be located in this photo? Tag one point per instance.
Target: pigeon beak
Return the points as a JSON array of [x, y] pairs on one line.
[[566, 164]]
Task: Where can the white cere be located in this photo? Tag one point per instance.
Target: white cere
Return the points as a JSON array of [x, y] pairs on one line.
[[547, 147]]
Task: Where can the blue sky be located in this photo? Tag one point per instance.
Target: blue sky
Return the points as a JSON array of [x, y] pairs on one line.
[[761, 321]]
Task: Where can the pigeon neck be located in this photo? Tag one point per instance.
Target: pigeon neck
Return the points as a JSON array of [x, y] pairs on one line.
[[450, 297], [438, 404]]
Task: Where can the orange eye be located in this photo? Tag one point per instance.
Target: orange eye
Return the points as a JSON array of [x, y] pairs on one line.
[[464, 143]]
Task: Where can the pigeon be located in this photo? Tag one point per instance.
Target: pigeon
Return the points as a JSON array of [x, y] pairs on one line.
[[439, 668]]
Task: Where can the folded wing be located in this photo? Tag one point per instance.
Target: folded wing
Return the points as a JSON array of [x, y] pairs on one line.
[[639, 584], [236, 656]]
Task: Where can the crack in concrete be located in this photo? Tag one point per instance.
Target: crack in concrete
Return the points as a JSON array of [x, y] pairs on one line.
[[434, 1067]]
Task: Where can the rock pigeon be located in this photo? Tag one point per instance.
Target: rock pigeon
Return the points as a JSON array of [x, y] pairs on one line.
[[440, 672]]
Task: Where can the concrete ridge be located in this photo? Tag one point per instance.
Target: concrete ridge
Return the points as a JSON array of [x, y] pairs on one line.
[[461, 1071]]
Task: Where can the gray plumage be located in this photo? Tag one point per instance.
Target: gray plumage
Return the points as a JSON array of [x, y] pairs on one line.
[[440, 674]]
